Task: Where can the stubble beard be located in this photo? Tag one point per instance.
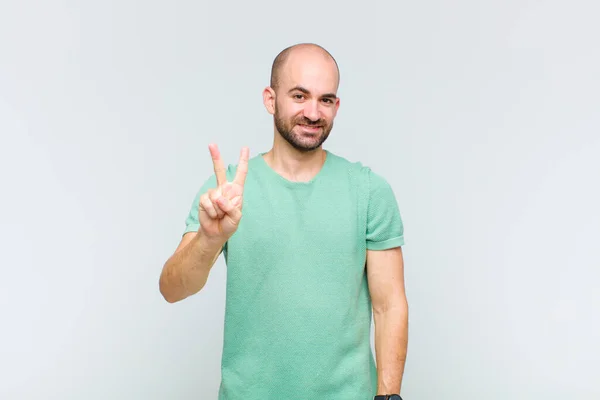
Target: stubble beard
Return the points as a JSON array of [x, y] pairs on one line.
[[285, 129]]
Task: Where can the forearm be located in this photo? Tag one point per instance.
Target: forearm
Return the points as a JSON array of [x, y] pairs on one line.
[[186, 272], [391, 343]]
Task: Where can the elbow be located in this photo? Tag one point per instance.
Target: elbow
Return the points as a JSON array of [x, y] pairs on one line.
[[394, 304], [170, 298], [168, 292]]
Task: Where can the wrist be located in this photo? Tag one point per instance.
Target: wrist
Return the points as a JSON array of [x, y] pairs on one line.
[[209, 244]]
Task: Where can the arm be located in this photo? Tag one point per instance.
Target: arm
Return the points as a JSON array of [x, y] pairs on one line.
[[385, 273], [186, 271], [214, 217]]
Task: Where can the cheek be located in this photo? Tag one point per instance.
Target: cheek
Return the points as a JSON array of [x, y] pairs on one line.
[[285, 111], [328, 114]]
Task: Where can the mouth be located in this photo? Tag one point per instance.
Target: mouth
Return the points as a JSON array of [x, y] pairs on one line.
[[311, 128]]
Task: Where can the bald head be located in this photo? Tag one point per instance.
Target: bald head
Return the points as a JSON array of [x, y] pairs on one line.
[[303, 52]]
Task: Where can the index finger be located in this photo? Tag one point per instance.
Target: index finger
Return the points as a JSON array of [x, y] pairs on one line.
[[218, 165], [242, 168]]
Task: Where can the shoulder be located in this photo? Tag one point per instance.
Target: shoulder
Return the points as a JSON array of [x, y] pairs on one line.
[[375, 180], [344, 164]]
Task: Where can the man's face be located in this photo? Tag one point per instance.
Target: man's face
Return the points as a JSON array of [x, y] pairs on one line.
[[306, 103]]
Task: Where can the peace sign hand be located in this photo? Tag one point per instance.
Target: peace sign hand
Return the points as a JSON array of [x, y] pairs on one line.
[[220, 208]]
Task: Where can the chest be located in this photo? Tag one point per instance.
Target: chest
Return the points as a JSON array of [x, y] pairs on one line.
[[320, 219], [296, 245]]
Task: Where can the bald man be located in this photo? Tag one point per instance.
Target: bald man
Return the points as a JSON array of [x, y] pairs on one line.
[[316, 255]]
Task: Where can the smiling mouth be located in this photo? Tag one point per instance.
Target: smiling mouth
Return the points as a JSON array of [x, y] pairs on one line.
[[311, 127]]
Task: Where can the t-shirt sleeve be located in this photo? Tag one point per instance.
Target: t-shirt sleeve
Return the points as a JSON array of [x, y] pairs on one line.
[[191, 222], [385, 228]]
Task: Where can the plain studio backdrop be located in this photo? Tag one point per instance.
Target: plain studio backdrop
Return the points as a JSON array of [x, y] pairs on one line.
[[483, 116]]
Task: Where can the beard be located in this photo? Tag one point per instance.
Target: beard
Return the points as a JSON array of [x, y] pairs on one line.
[[302, 142]]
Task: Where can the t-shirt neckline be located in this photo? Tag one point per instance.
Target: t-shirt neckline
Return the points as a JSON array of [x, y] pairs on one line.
[[295, 184]]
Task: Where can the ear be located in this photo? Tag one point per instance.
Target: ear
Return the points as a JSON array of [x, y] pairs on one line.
[[337, 105], [269, 99]]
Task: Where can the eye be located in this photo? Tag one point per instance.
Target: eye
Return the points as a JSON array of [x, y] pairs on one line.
[[298, 96]]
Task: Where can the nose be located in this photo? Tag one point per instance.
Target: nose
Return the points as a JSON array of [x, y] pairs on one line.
[[311, 110]]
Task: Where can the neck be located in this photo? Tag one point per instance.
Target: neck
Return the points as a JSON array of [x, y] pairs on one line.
[[292, 164]]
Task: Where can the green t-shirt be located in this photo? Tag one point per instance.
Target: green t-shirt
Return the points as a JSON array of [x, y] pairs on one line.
[[298, 310]]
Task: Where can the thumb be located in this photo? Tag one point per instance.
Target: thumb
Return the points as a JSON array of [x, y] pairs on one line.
[[230, 210]]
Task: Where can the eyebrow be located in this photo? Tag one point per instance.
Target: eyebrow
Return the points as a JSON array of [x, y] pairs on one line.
[[305, 91]]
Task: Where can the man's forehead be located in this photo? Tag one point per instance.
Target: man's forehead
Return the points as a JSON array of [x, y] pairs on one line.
[[311, 75]]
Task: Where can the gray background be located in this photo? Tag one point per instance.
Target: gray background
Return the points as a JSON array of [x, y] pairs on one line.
[[484, 117]]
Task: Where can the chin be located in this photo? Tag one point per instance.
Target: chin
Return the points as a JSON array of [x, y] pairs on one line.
[[312, 144]]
